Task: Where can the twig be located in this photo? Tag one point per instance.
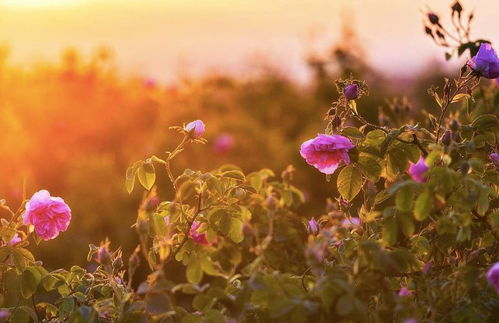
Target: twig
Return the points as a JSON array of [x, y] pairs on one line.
[[303, 278]]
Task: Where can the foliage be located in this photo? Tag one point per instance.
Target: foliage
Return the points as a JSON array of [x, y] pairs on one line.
[[389, 248]]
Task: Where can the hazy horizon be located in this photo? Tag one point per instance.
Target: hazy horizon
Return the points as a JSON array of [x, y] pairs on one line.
[[162, 39]]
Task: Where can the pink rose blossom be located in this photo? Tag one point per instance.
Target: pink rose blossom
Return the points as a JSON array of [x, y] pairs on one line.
[[49, 215], [195, 129], [199, 238], [326, 152], [418, 171], [493, 276], [223, 143]]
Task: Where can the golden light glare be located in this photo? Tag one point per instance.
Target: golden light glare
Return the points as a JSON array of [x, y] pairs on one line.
[[38, 3]]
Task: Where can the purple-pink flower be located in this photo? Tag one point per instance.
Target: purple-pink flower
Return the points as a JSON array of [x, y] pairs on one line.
[[494, 157], [418, 171], [195, 128], [404, 291], [326, 152], [223, 143], [493, 276], [485, 62], [49, 215], [199, 238], [313, 226], [15, 240], [351, 91], [351, 222]]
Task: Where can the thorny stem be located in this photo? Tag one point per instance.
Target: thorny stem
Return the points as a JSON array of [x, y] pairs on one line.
[[189, 225], [445, 106], [170, 157]]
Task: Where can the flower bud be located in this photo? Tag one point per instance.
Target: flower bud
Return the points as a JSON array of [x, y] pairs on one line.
[[447, 138], [103, 256], [152, 204], [195, 129], [313, 226], [493, 276], [433, 18], [336, 122], [271, 202], [454, 125], [456, 7], [351, 91]]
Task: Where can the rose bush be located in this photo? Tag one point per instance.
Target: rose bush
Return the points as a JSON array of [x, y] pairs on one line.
[[412, 237]]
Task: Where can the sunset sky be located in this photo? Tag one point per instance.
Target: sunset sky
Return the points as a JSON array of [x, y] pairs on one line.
[[162, 38]]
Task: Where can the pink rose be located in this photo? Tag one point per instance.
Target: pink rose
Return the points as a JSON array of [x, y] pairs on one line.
[[49, 215], [223, 143], [195, 129], [326, 152], [199, 238], [493, 276], [418, 171]]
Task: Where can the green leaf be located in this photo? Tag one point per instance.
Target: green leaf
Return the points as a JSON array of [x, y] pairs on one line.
[[404, 198], [194, 272], [349, 182], [236, 230], [147, 175], [370, 167], [423, 205], [406, 224], [345, 305], [157, 303], [29, 283], [352, 132], [397, 161], [390, 231], [235, 174]]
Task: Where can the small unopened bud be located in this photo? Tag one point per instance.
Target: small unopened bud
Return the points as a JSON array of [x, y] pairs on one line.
[[118, 263], [351, 91], [456, 7], [103, 256], [447, 138], [433, 18], [271, 202], [428, 31], [152, 204], [454, 125], [336, 122], [464, 168]]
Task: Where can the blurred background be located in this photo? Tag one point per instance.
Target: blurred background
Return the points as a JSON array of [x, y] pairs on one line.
[[87, 87]]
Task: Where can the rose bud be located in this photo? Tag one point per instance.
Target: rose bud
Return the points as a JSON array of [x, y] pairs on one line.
[[103, 256], [351, 91], [447, 138], [195, 129], [454, 125], [494, 157], [493, 276], [433, 18], [313, 226]]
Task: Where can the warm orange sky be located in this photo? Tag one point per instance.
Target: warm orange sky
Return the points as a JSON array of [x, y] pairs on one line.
[[161, 38]]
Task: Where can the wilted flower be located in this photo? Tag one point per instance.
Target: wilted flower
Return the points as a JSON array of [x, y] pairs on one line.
[[493, 276], [195, 128], [486, 62], [313, 226], [199, 238], [495, 159], [418, 171], [326, 152], [49, 215], [223, 143], [351, 91]]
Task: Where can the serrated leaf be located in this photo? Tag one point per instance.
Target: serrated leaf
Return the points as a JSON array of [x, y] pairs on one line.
[[349, 182], [422, 206], [31, 277]]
